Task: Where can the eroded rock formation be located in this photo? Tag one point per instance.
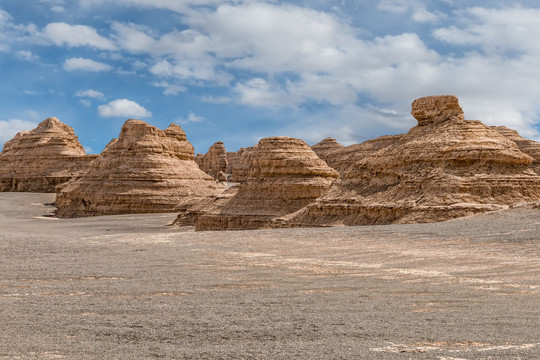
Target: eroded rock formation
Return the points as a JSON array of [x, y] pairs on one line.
[[344, 158], [283, 176], [145, 170], [326, 148], [445, 167], [214, 162], [529, 147], [40, 159], [242, 163]]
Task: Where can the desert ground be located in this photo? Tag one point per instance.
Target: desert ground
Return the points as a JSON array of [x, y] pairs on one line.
[[131, 287]]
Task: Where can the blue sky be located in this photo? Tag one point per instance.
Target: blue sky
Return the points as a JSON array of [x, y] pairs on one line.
[[239, 70]]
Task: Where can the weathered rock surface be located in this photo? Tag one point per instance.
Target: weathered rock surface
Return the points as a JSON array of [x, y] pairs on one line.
[[326, 148], [40, 159], [283, 176], [145, 170], [529, 147], [344, 158], [214, 162], [241, 164], [445, 167]]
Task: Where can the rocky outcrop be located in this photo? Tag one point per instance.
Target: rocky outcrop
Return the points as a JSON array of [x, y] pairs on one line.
[[145, 170], [283, 176], [529, 147], [214, 162], [344, 158], [326, 148], [41, 159], [242, 163], [445, 167]]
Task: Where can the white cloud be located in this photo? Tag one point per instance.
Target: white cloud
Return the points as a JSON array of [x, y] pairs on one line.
[[174, 5], [26, 55], [394, 6], [9, 128], [123, 108], [258, 92], [75, 36], [170, 89], [85, 102], [191, 118], [72, 64], [423, 16], [496, 30], [210, 99], [90, 93]]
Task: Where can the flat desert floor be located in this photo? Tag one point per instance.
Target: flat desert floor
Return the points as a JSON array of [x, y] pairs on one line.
[[130, 287]]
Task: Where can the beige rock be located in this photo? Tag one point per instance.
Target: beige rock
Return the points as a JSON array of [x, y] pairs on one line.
[[345, 157], [283, 176], [144, 170], [214, 162], [40, 159], [445, 167], [242, 163], [529, 147], [326, 148]]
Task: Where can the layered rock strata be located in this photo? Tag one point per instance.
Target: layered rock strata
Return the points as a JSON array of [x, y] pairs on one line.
[[529, 147], [145, 170], [344, 158], [445, 167], [214, 162], [283, 176], [242, 163], [43, 158], [326, 148]]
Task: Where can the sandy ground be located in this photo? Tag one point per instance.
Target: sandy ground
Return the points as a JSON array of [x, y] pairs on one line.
[[129, 287]]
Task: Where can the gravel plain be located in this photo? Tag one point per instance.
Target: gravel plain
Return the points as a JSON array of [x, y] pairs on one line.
[[131, 287]]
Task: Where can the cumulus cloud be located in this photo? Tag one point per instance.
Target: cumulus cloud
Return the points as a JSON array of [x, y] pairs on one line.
[[90, 93], [9, 128], [496, 30], [191, 118], [84, 64], [75, 36], [123, 108], [26, 55]]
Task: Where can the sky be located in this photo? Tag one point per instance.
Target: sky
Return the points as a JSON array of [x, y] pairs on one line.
[[240, 70]]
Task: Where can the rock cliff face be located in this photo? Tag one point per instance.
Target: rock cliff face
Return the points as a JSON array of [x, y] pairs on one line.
[[283, 176], [40, 159], [214, 162], [144, 170], [445, 167], [529, 147]]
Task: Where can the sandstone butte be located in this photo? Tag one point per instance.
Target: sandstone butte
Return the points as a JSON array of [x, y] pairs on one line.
[[342, 157], [41, 159], [214, 162], [443, 168], [529, 147], [145, 170], [284, 175]]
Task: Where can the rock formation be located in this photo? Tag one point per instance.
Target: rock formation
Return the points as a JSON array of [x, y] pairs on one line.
[[144, 170], [214, 162], [242, 163], [529, 147], [283, 176], [326, 148], [445, 167], [40, 159], [344, 158]]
